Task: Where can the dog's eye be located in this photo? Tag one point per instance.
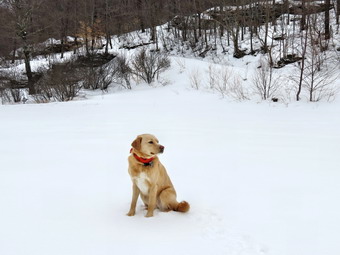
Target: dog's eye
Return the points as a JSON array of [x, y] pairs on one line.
[[151, 142]]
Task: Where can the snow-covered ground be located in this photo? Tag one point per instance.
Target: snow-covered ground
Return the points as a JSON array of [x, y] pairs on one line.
[[261, 178]]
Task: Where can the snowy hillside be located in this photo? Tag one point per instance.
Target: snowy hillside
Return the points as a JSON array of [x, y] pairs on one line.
[[217, 70], [260, 178]]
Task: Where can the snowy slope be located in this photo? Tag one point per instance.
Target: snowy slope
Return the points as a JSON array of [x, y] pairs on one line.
[[260, 178]]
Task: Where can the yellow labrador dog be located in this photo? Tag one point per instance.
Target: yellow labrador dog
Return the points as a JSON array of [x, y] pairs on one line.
[[150, 179]]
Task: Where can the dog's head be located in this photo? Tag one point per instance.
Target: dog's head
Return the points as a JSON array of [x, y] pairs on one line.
[[148, 145]]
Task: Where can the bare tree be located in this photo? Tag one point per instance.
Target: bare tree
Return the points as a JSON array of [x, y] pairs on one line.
[[302, 63], [233, 27], [22, 11], [108, 13], [29, 28], [64, 23], [316, 69], [320, 68], [320, 75]]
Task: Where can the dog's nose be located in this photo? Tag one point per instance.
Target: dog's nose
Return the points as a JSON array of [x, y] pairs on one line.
[[161, 148]]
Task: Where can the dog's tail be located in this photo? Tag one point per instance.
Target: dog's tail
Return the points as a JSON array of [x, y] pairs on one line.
[[182, 207]]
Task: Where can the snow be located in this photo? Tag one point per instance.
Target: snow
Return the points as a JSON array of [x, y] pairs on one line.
[[261, 178]]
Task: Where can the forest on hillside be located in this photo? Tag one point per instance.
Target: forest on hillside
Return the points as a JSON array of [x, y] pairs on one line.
[[198, 24]]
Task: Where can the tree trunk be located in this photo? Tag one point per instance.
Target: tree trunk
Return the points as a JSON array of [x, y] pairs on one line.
[[31, 89], [140, 15], [195, 33], [87, 45], [107, 27], [251, 40], [76, 44], [337, 11], [62, 48], [327, 33], [221, 25], [302, 65], [235, 37], [93, 41], [265, 44], [107, 44], [14, 50], [303, 16], [200, 25]]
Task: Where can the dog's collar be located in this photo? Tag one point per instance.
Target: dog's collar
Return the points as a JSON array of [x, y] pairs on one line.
[[145, 161]]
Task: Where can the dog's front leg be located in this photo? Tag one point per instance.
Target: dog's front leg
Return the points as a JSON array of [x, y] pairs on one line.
[[152, 200], [135, 194]]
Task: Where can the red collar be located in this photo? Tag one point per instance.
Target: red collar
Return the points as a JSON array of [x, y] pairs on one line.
[[145, 161]]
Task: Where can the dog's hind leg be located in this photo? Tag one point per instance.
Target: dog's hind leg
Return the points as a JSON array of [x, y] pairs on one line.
[[167, 201]]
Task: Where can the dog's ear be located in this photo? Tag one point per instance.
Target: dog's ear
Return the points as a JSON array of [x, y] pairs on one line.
[[136, 144]]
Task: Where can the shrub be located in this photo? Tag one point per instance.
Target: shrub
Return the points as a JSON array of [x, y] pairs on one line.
[[195, 79], [227, 82], [97, 77], [264, 83], [61, 82], [124, 71], [101, 77], [11, 87], [148, 64]]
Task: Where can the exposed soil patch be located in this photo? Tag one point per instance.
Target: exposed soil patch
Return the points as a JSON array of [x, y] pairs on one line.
[[93, 60], [289, 59]]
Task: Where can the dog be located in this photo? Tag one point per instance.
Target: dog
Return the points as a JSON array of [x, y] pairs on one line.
[[149, 178]]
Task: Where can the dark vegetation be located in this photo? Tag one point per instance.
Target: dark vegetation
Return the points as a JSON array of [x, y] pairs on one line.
[[89, 24]]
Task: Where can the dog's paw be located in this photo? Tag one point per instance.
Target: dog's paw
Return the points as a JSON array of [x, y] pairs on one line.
[[131, 213], [149, 214]]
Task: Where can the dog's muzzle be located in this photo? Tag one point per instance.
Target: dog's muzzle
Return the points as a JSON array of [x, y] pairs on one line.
[[161, 149]]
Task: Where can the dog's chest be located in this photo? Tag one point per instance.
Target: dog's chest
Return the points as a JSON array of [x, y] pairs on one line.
[[142, 182]]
